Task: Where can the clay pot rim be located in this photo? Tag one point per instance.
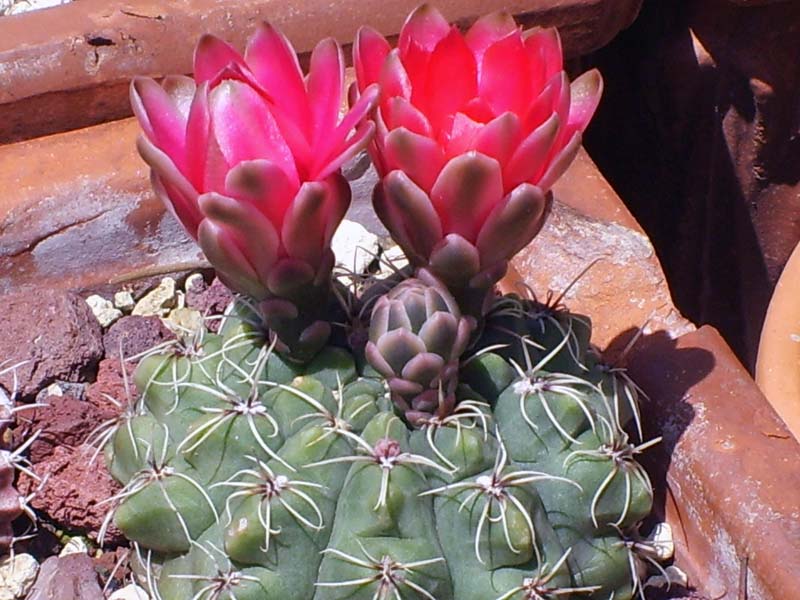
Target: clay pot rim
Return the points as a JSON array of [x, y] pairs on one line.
[[778, 363]]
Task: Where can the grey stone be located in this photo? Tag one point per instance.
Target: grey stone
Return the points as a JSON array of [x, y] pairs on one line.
[[17, 575], [70, 577]]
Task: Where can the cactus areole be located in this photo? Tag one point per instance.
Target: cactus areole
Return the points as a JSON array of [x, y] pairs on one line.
[[474, 447]]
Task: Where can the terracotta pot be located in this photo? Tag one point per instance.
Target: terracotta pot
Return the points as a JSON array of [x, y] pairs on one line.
[[778, 365], [69, 66]]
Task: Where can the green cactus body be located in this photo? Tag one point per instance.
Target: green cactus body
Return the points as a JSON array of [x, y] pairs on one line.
[[250, 477]]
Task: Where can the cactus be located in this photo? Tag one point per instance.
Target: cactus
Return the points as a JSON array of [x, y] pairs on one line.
[[247, 475], [475, 446]]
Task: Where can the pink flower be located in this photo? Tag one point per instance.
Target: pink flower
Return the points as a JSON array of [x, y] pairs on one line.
[[247, 156], [472, 131]]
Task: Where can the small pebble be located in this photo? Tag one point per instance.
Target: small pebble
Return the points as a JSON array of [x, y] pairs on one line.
[[184, 321], [195, 279], [103, 310], [76, 545], [60, 389], [54, 390], [129, 592], [661, 539], [124, 301], [17, 576], [157, 301]]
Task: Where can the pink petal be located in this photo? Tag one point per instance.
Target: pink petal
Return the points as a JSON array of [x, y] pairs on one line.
[[418, 156], [530, 159], [394, 80], [585, 93], [453, 63], [465, 192], [296, 138], [173, 188], [404, 114], [341, 145], [245, 129], [563, 99], [479, 110], [325, 88], [264, 185], [513, 223], [255, 236], [235, 72], [425, 26], [181, 89], [305, 222], [410, 212], [294, 132], [489, 29], [415, 61], [505, 76], [544, 104], [544, 50], [222, 250], [460, 136], [369, 52], [561, 162], [377, 148], [216, 167], [500, 138], [189, 217], [197, 129], [354, 144], [211, 56], [274, 64], [160, 118]]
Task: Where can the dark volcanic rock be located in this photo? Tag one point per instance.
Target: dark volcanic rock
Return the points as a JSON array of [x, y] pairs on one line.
[[54, 333], [113, 568], [110, 383], [65, 421], [135, 334], [73, 491], [209, 299]]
